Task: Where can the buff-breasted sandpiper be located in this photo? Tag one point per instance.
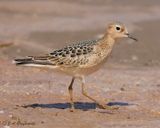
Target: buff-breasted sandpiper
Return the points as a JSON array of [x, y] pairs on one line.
[[80, 59]]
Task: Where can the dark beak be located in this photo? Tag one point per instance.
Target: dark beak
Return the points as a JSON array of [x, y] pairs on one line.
[[129, 36]]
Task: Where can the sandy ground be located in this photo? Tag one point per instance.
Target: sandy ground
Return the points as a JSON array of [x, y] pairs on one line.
[[36, 98]]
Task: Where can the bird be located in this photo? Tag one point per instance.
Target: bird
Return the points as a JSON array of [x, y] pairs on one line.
[[80, 59]]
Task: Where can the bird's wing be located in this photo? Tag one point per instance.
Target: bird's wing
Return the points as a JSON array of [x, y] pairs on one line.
[[69, 56], [73, 55]]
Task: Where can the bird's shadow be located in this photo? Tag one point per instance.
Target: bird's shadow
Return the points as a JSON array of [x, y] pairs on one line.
[[78, 105]]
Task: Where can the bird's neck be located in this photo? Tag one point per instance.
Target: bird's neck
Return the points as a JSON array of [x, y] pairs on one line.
[[106, 42]]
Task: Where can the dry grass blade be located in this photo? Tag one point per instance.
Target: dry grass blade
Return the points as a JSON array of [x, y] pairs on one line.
[[8, 44]]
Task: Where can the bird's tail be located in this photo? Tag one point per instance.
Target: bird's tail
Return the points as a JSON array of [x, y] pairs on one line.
[[30, 61], [23, 61]]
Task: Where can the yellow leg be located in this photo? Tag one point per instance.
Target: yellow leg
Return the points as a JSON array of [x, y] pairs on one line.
[[100, 105], [70, 89]]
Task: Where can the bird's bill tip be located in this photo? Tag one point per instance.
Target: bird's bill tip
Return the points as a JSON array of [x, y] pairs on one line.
[[131, 37]]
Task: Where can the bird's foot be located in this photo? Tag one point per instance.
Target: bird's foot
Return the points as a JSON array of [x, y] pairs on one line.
[[72, 109]]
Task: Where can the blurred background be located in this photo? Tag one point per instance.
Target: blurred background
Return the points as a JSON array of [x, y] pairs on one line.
[[40, 26], [130, 78]]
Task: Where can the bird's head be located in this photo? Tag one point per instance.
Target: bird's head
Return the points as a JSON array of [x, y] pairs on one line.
[[118, 30]]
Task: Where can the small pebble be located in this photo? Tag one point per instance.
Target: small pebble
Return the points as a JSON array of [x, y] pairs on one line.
[[158, 85], [6, 126], [122, 89], [10, 116], [1, 111], [42, 122], [128, 117], [134, 58]]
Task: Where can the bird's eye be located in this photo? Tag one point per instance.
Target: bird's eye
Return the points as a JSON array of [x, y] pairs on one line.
[[118, 28]]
